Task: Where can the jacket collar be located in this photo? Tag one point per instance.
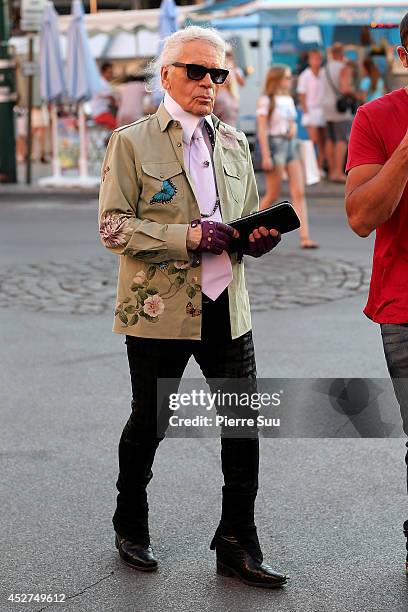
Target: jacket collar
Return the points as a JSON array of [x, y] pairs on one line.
[[164, 118]]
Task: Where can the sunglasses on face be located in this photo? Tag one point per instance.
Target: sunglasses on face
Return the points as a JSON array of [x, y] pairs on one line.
[[195, 72]]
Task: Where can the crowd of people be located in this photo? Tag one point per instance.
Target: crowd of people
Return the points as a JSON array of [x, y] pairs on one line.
[[329, 97], [120, 104], [129, 100], [122, 101]]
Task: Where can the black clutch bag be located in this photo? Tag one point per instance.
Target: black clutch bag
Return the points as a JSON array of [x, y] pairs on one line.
[[281, 217]]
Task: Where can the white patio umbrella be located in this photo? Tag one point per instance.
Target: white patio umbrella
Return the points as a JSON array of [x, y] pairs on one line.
[[52, 81], [83, 78], [168, 19]]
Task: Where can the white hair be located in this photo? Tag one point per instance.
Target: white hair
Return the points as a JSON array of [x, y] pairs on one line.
[[172, 47]]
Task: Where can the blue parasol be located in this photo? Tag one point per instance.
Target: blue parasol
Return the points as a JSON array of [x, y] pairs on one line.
[[52, 81], [167, 18]]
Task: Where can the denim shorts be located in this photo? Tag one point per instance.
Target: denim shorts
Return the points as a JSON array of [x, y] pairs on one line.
[[283, 150]]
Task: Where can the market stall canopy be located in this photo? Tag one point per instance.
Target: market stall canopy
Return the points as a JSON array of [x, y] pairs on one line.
[[117, 44], [114, 35], [107, 21], [305, 12], [220, 5]]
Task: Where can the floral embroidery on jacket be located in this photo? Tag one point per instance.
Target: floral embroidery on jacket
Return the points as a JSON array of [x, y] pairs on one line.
[[105, 172], [228, 139], [114, 230], [153, 306], [148, 302]]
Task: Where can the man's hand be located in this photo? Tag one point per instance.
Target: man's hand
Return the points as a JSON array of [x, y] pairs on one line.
[[261, 241], [403, 145], [194, 235], [210, 236]]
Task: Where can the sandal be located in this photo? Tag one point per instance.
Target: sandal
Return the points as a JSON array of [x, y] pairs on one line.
[[338, 179], [306, 243]]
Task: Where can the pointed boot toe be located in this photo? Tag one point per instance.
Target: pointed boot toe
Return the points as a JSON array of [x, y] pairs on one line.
[[139, 556]]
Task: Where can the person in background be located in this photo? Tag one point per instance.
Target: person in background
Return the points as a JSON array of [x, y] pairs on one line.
[[40, 123], [371, 85], [226, 106], [276, 127], [310, 90], [337, 81], [104, 103], [21, 133], [377, 199], [131, 95], [237, 75], [40, 120]]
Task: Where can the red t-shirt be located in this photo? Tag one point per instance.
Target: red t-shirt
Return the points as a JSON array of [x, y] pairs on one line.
[[378, 129]]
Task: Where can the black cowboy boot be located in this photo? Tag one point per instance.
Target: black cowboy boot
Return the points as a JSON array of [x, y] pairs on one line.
[[136, 454], [138, 555], [236, 541], [234, 560]]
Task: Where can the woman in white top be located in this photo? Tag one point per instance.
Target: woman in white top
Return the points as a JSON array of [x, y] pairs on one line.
[[276, 127], [310, 90]]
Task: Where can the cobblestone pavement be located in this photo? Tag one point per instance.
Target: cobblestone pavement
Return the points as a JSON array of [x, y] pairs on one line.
[[289, 280], [284, 280]]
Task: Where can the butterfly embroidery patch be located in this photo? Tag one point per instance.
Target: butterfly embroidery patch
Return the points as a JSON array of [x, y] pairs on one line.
[[192, 310], [166, 194]]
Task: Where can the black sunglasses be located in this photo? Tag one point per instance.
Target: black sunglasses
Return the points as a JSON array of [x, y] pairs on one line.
[[195, 72]]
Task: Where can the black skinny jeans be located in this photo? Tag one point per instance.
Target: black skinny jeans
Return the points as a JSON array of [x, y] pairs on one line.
[[218, 357]]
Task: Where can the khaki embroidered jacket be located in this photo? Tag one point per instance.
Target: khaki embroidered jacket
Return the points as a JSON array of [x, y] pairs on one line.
[[146, 204]]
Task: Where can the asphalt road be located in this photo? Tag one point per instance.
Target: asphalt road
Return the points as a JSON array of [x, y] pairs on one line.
[[329, 510]]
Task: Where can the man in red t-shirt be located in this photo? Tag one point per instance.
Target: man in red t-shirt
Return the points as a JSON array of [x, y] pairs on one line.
[[377, 198]]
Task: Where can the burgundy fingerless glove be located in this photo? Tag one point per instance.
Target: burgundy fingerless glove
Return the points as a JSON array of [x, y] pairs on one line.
[[259, 247], [216, 236]]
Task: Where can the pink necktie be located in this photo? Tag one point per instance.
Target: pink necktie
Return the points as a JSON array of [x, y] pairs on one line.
[[216, 272]]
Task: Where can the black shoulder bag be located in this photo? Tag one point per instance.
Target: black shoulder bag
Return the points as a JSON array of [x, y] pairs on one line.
[[344, 102]]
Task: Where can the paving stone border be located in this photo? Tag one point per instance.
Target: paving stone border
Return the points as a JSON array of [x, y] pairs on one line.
[[276, 281], [293, 280]]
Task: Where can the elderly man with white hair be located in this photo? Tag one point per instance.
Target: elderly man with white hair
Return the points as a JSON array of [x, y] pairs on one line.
[[171, 182]]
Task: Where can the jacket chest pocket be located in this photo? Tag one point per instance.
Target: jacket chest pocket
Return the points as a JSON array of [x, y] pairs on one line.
[[236, 175], [162, 184]]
